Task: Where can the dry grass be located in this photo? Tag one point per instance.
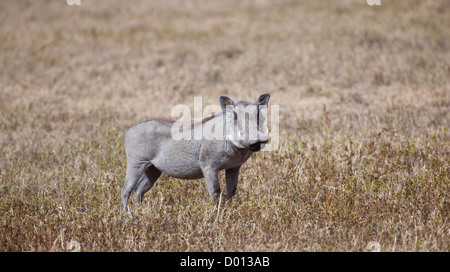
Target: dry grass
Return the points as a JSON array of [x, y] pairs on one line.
[[364, 99]]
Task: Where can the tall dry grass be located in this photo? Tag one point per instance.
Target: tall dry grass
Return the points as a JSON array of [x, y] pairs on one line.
[[364, 100]]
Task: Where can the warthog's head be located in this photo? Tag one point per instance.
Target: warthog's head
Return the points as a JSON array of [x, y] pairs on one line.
[[244, 122]]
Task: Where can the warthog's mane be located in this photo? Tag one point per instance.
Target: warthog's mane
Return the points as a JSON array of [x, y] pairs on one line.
[[169, 123]]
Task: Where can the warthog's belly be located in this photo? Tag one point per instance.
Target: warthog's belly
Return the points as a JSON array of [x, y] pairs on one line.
[[185, 175], [178, 170]]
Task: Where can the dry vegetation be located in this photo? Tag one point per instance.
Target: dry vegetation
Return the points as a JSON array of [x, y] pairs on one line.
[[364, 100]]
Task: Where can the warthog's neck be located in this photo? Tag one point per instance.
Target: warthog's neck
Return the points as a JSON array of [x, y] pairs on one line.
[[233, 156]]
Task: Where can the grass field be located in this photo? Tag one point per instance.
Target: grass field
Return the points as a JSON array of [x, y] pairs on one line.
[[364, 97]]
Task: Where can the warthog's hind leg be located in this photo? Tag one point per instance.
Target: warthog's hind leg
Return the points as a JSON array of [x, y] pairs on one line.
[[151, 174], [133, 175]]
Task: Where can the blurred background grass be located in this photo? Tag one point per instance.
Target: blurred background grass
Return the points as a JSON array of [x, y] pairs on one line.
[[364, 109]]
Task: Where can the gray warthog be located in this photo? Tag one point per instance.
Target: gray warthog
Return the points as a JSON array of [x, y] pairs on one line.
[[234, 135]]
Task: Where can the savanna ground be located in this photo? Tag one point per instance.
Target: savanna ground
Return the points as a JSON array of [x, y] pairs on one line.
[[364, 111]]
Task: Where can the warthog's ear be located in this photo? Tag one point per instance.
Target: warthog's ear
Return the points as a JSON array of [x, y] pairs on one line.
[[263, 100], [224, 102]]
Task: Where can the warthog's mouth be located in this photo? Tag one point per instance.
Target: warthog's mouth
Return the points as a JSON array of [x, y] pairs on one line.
[[256, 146]]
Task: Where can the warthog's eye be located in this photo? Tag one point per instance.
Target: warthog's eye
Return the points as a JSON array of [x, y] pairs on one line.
[[257, 117]]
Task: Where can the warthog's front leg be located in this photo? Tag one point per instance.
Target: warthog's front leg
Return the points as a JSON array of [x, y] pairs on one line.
[[232, 176], [212, 182]]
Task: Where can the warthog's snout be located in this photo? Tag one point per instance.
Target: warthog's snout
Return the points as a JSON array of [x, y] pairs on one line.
[[257, 146]]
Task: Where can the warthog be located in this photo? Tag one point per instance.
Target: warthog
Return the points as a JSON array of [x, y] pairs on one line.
[[235, 134]]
